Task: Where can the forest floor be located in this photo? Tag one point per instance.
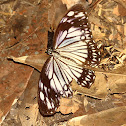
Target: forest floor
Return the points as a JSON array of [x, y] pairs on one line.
[[24, 26]]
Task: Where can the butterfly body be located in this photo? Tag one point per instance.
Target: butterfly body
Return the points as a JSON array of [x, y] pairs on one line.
[[73, 48]]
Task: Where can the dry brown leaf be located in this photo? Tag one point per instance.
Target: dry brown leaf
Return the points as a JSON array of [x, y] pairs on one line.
[[116, 10], [37, 63], [123, 125], [70, 3], [29, 116], [119, 10], [20, 36], [28, 110], [97, 90], [73, 2], [98, 35], [25, 110], [12, 88], [125, 29], [58, 8], [104, 82], [68, 105], [109, 33], [110, 117], [93, 105], [55, 12]]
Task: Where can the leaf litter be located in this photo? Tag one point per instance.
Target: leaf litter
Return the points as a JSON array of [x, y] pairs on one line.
[[104, 102]]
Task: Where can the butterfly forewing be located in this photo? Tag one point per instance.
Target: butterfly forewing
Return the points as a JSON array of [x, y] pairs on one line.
[[73, 48], [73, 38]]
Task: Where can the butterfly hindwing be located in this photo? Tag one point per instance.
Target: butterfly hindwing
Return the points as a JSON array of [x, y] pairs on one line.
[[87, 78], [48, 99], [54, 82], [55, 79], [82, 76]]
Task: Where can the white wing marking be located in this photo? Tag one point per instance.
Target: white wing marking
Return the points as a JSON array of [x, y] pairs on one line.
[[87, 79], [62, 36], [64, 77], [49, 69], [88, 76], [50, 72], [78, 59], [52, 104], [75, 33], [76, 74], [72, 29], [78, 69], [66, 68], [83, 54], [69, 41], [87, 36], [57, 83], [64, 20], [53, 85], [48, 103], [41, 96], [57, 71], [82, 37], [71, 13], [80, 15], [84, 50]]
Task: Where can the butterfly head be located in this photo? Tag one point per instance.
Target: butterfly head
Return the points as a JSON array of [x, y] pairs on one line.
[[49, 51]]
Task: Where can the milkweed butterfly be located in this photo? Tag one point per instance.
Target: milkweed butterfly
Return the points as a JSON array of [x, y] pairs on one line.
[[73, 48]]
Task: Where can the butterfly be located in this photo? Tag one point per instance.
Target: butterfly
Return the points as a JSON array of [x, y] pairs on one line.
[[73, 48]]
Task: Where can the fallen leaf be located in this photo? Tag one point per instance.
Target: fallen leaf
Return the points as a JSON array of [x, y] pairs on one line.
[[110, 117], [68, 105]]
